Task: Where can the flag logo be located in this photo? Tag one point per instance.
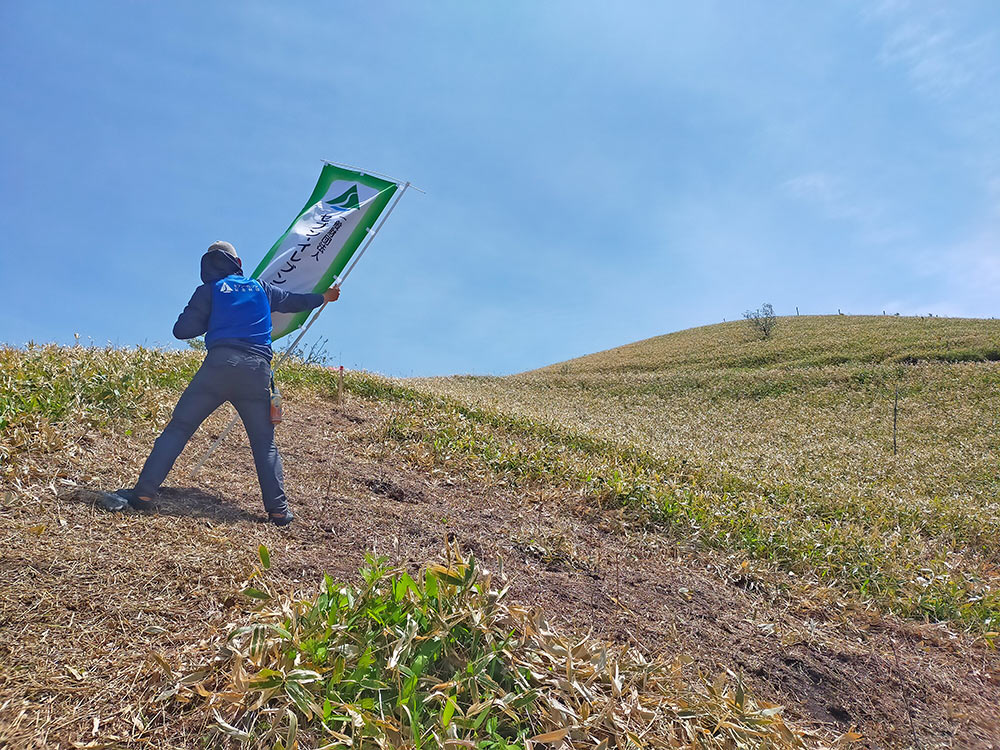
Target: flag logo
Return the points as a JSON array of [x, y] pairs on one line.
[[315, 250], [225, 288], [346, 200]]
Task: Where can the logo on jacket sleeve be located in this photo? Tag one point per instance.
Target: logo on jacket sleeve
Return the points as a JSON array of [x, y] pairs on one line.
[[225, 288]]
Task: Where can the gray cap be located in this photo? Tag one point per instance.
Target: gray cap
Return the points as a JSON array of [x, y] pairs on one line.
[[225, 247]]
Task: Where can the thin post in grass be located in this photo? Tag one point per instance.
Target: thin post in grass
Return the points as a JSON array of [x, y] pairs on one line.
[[895, 415], [618, 575]]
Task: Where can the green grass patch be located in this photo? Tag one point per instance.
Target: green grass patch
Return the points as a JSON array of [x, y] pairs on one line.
[[440, 659]]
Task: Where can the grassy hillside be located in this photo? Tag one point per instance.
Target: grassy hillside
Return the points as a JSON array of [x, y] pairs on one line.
[[200, 624], [791, 444], [666, 521], [801, 341]]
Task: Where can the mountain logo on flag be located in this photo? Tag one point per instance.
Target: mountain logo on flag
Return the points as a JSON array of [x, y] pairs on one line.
[[345, 201], [225, 288]]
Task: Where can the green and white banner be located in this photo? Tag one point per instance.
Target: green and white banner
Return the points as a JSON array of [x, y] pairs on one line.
[[319, 244]]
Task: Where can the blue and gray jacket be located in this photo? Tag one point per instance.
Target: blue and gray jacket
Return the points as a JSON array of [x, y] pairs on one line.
[[234, 311]]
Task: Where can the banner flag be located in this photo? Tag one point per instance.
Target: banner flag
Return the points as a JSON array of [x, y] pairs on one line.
[[318, 245]]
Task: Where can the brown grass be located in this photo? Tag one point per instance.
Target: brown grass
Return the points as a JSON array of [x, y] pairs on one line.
[[94, 605], [795, 435]]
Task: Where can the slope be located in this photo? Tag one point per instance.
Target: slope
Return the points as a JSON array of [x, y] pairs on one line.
[[587, 529], [793, 442]]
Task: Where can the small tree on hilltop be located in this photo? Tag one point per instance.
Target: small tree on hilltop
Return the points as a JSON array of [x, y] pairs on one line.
[[761, 321]]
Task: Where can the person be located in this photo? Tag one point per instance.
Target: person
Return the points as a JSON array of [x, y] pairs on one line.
[[233, 312]]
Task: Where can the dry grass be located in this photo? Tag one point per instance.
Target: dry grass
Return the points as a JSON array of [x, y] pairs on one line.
[[99, 607], [789, 446]]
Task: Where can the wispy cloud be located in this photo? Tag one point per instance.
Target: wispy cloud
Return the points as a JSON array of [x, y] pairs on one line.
[[833, 197], [939, 62], [970, 270], [828, 192], [941, 55], [949, 58]]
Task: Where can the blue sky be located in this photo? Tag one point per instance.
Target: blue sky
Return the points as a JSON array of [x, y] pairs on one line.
[[596, 173]]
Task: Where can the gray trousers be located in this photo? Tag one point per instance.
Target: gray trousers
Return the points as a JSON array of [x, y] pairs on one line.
[[243, 380]]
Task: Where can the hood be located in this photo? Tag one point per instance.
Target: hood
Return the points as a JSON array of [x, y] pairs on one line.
[[216, 265]]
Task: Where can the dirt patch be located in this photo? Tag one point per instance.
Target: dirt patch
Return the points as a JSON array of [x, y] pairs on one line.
[[394, 491], [90, 596]]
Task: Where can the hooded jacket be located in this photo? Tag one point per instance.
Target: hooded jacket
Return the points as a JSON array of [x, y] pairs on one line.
[[233, 311]]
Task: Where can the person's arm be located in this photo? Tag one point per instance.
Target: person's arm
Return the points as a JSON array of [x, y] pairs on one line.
[[193, 321], [290, 302]]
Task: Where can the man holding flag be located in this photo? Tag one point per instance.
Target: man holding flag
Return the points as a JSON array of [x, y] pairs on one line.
[[240, 316], [233, 312]]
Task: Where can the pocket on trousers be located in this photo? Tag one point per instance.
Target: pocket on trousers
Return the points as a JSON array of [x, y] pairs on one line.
[[216, 359]]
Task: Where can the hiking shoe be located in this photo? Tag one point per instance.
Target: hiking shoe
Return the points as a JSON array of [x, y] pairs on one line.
[[111, 502], [139, 503], [281, 517]]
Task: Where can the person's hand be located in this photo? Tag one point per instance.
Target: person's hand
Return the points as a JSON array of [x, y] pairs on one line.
[[331, 294]]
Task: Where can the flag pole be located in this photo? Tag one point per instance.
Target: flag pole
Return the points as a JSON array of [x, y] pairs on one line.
[[362, 170], [287, 352]]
